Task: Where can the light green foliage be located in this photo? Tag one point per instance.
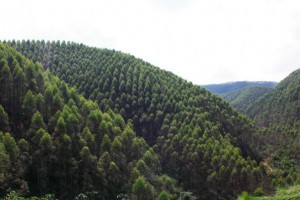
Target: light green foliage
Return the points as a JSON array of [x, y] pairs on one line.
[[29, 104], [289, 193], [258, 192], [4, 122], [4, 161], [163, 196], [37, 121], [140, 189], [14, 196]]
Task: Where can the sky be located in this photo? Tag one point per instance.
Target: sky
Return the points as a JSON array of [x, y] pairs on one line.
[[202, 41]]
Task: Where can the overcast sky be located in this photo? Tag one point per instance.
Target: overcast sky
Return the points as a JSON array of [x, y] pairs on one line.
[[203, 41]]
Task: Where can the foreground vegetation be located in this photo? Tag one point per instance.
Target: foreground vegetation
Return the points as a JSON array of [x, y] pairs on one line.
[[289, 193]]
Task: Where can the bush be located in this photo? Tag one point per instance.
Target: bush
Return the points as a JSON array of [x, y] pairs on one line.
[[259, 192], [297, 181], [289, 180], [163, 196], [14, 196], [244, 196]]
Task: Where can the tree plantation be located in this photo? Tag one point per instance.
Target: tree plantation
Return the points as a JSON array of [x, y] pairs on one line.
[[78, 122]]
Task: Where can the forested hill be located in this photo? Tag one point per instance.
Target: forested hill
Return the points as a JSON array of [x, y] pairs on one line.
[[150, 97], [243, 99], [196, 137], [224, 88], [281, 106], [54, 141], [278, 112]]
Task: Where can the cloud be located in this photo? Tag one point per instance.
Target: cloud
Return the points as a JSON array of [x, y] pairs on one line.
[[201, 41], [172, 4]]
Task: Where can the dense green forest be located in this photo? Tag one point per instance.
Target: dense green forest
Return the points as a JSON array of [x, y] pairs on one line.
[[53, 140], [278, 112], [83, 122], [144, 133], [244, 98], [224, 88], [281, 105]]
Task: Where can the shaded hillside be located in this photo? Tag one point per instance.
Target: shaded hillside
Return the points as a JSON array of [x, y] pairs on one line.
[[192, 131], [281, 107], [279, 113], [224, 88], [243, 99]]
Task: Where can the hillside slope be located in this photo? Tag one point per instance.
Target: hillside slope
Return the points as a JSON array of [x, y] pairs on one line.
[[53, 140], [192, 131], [243, 99], [224, 88], [281, 107], [279, 113]]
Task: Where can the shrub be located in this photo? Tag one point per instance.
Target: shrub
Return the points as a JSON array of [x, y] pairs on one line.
[[259, 192], [244, 196]]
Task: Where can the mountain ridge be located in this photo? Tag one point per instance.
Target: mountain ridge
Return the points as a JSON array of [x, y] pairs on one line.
[[223, 88]]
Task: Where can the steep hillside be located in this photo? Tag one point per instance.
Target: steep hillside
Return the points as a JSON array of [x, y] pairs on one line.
[[243, 99], [52, 140], [224, 88], [192, 131], [129, 86], [281, 107], [279, 113]]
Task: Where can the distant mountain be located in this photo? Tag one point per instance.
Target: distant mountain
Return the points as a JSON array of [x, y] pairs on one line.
[[223, 88], [243, 99]]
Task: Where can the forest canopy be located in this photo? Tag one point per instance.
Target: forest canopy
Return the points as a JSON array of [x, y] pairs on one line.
[[78, 120]]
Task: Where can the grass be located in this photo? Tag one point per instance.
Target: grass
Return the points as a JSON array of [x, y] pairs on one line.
[[289, 193]]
